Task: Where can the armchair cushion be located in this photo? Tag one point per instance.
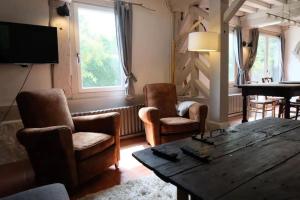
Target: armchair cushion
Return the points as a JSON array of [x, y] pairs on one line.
[[87, 144], [44, 108], [183, 107], [171, 125], [162, 96], [100, 123]]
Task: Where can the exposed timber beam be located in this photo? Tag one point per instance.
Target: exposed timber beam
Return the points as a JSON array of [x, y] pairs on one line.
[[279, 2], [248, 9], [261, 19], [232, 9], [258, 4]]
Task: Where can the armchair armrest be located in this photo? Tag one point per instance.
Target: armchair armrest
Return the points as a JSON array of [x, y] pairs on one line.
[[149, 114], [51, 154], [108, 123], [198, 112], [150, 117]]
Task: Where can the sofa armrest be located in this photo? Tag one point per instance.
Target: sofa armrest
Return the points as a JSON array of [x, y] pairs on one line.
[[108, 123], [150, 117], [198, 112], [51, 154]]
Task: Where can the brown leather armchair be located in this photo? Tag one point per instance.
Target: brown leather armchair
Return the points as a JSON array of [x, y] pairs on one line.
[[162, 124], [65, 149]]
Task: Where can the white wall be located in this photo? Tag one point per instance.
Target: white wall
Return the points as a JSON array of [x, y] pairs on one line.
[[151, 53], [12, 76], [292, 63], [151, 44]]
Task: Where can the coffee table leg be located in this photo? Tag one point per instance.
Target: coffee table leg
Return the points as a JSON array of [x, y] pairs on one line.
[[182, 195]]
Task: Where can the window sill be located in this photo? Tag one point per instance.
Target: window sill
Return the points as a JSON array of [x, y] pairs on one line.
[[102, 89], [87, 93]]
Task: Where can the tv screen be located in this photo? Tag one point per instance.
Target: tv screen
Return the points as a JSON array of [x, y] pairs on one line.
[[27, 44]]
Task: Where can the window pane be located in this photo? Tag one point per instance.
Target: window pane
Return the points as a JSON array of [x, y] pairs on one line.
[[274, 58], [231, 59], [258, 68], [100, 62]]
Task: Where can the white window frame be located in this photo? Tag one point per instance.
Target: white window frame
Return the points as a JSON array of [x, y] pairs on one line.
[[266, 64], [231, 82], [77, 49]]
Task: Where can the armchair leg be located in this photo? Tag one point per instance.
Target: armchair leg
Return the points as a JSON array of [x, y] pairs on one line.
[[117, 165]]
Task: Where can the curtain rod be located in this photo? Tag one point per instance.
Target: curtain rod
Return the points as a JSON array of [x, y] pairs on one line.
[[108, 1]]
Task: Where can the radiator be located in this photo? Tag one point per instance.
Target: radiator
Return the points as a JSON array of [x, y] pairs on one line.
[[130, 121], [235, 102]]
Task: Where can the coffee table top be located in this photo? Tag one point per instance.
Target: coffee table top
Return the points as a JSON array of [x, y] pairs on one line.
[[255, 160]]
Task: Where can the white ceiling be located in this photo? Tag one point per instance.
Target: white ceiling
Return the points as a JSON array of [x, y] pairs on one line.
[[253, 13]]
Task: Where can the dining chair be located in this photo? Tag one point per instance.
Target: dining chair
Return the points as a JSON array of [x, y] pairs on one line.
[[261, 104]]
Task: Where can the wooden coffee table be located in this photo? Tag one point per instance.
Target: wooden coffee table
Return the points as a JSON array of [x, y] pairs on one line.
[[254, 160]]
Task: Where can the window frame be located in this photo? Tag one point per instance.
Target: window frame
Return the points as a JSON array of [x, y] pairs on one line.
[[232, 82], [266, 60], [81, 89]]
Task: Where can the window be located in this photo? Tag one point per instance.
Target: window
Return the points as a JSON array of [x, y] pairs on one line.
[[100, 66], [232, 64], [267, 61]]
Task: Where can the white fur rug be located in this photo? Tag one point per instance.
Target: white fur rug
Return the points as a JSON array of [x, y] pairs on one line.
[[146, 188]]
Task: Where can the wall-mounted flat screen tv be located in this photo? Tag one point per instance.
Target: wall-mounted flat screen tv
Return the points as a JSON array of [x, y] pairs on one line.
[[28, 44]]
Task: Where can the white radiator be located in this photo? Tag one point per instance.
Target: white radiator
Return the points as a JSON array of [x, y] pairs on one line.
[[130, 121], [235, 102]]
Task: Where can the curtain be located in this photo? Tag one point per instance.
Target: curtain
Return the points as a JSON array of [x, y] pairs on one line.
[[238, 51], [282, 43], [123, 14], [254, 35]]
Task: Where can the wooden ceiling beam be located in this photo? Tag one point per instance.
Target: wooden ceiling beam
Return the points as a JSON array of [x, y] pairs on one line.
[[258, 4], [232, 9], [248, 9]]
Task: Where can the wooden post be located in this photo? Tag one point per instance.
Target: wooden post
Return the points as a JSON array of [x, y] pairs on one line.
[[219, 66], [194, 76]]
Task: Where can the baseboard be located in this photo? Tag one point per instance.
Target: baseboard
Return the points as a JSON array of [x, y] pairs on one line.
[[132, 135], [235, 114]]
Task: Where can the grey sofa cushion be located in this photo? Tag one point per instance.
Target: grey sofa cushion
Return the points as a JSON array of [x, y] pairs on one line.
[[48, 192]]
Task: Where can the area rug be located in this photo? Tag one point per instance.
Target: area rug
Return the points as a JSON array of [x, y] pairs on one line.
[[146, 188]]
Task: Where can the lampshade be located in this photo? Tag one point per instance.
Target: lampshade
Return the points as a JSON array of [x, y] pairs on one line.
[[203, 41]]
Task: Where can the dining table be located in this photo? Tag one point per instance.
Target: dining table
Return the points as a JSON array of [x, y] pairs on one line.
[[286, 89]]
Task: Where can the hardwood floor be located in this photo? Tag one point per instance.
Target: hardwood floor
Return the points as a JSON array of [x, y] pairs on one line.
[[129, 168]]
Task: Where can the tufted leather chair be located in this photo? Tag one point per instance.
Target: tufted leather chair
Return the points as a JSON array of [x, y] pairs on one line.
[[62, 148], [162, 124]]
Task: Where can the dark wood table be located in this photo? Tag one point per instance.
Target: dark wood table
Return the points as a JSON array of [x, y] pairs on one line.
[[254, 160], [286, 90]]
